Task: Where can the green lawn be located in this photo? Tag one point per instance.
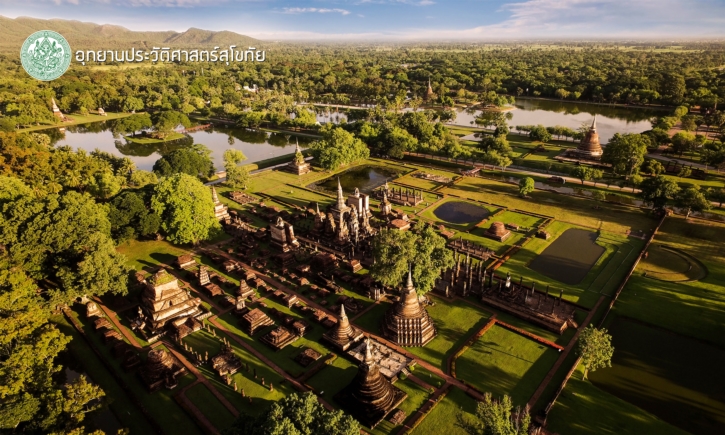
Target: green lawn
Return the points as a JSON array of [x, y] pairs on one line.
[[681, 387], [371, 320], [443, 418], [417, 396], [584, 409], [121, 404], [149, 254], [210, 406], [422, 183], [455, 321], [504, 362], [604, 277], [144, 140], [692, 308]]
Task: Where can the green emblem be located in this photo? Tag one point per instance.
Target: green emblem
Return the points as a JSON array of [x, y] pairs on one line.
[[45, 55]]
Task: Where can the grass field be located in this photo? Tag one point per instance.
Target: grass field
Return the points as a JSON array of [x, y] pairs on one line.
[[584, 409], [443, 418], [148, 254], [152, 140], [504, 362], [693, 308], [210, 406], [674, 377], [604, 277], [455, 321]]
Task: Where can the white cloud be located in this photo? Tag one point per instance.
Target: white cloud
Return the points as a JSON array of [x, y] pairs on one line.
[[402, 2], [315, 10]]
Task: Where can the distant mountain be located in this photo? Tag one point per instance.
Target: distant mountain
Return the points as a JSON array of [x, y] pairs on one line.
[[82, 35]]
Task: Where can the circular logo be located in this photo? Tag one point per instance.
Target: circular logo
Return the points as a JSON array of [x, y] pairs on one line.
[[45, 55]]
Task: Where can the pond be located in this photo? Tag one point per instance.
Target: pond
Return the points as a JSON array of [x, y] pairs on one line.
[[570, 257], [256, 145], [460, 212], [610, 120], [364, 178]]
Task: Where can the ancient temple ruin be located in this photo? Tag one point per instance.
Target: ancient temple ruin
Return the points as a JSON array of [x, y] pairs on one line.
[[161, 370], [164, 303], [347, 222], [283, 235], [589, 148], [343, 334], [370, 397], [298, 165], [221, 211], [498, 231], [401, 196], [407, 322]]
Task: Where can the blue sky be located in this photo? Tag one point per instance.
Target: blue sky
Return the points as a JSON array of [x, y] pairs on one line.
[[399, 19]]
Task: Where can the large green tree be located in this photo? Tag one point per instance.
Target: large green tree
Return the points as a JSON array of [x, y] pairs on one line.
[[338, 148], [194, 160], [186, 209], [625, 152], [497, 417], [692, 199], [424, 250], [296, 414], [237, 176], [656, 191], [64, 239], [595, 349]]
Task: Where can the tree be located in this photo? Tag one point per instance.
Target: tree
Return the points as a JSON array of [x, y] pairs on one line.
[[237, 177], [186, 209], [141, 178], [338, 148], [595, 349], [625, 152], [497, 417], [653, 167], [582, 173], [635, 180], [684, 172], [132, 124], [296, 414], [657, 191], [395, 251], [540, 133], [596, 175], [599, 196], [718, 195], [166, 122], [64, 239], [526, 186], [195, 161], [683, 142], [130, 216], [7, 124], [692, 199], [131, 104]]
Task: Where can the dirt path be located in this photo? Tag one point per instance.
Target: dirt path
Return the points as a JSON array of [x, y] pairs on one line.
[[189, 406]]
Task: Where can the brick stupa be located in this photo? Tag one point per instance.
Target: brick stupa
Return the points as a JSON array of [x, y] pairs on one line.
[[407, 323], [343, 334], [370, 397]]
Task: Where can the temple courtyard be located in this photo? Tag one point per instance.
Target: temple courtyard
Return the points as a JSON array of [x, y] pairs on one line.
[[282, 302]]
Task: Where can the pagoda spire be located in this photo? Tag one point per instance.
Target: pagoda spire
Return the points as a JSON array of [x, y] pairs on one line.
[[340, 197], [297, 146], [214, 195], [368, 353], [594, 123]]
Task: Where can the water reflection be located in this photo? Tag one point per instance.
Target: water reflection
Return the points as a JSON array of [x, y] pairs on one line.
[[459, 212], [365, 178], [255, 144]]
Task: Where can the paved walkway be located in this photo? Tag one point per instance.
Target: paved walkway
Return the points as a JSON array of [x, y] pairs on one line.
[[549, 376]]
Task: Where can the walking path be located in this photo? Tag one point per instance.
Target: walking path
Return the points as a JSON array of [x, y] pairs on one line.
[[190, 407], [549, 376]]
